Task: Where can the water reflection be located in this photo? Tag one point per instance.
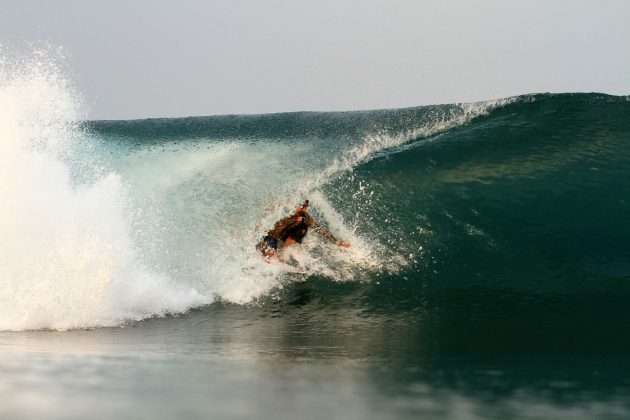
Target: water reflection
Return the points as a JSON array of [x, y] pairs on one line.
[[309, 354]]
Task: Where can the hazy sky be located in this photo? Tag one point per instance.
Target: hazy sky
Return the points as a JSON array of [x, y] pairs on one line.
[[147, 58]]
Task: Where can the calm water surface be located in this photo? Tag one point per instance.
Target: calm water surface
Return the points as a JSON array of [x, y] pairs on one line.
[[308, 358]]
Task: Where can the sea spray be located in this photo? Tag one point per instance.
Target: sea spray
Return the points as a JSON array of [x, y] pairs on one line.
[[66, 256]]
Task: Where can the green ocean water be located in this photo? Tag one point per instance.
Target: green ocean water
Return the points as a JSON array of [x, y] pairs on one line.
[[488, 278]]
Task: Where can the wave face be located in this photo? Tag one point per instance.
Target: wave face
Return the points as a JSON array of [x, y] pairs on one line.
[[506, 203]]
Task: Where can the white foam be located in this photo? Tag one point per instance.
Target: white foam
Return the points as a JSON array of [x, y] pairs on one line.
[[66, 255]]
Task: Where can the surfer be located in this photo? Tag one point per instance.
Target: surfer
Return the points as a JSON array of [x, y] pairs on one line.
[[291, 230]]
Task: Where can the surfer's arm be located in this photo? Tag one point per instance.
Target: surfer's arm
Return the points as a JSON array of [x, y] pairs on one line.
[[325, 233]]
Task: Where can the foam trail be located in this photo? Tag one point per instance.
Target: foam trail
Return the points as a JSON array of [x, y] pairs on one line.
[[66, 257]]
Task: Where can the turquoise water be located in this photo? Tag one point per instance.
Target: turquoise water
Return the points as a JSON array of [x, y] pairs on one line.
[[488, 277]]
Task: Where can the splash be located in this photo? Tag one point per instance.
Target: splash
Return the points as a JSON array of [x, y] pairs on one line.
[[66, 257]]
